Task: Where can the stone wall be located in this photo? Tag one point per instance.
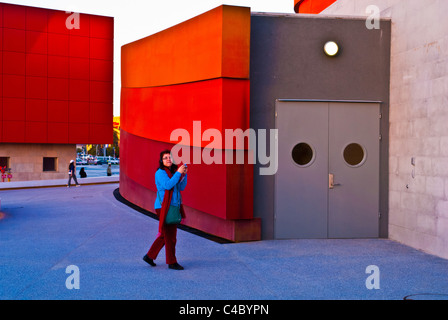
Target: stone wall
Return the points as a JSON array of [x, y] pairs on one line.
[[418, 163], [26, 160]]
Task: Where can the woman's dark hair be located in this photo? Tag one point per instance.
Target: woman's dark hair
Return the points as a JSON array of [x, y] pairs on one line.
[[173, 168]]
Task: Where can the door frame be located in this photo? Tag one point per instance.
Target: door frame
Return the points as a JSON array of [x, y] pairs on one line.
[[383, 176]]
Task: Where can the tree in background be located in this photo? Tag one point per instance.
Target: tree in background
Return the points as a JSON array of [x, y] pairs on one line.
[[98, 149]]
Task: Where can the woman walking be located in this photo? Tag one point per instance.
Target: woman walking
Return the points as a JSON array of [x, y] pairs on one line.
[[170, 180]]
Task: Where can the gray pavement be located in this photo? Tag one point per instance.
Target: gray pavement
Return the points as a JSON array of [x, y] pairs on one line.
[[44, 232]]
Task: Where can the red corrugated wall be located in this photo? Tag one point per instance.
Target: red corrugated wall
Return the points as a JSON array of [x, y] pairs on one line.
[[56, 84]]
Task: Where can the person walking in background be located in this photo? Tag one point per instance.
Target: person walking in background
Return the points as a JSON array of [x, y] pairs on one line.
[[109, 170], [72, 173], [170, 180]]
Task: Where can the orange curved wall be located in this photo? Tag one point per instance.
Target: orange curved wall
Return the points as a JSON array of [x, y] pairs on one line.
[[312, 6], [213, 45], [195, 71]]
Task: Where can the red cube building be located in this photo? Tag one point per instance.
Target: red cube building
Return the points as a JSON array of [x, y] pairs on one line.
[[56, 87]]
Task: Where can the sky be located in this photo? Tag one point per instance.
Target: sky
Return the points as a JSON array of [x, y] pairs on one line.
[[136, 19]]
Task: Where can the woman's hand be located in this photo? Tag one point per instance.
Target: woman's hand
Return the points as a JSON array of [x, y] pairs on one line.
[[181, 169]]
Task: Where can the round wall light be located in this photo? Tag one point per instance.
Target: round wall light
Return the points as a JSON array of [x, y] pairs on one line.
[[331, 48]]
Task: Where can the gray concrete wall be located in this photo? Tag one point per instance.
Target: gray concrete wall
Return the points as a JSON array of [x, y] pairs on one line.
[[287, 62], [418, 206]]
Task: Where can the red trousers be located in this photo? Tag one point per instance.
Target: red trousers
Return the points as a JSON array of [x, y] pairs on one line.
[[168, 239]]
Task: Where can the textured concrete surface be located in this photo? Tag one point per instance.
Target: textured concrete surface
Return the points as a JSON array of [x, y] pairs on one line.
[[418, 192], [44, 231]]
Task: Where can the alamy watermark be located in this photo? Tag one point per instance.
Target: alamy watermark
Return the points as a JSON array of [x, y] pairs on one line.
[[239, 147], [73, 280], [73, 21], [373, 280], [373, 20]]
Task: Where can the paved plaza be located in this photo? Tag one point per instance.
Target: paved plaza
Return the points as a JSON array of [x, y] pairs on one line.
[[82, 243]]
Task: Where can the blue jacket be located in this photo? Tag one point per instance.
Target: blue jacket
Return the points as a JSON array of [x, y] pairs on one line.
[[163, 182]]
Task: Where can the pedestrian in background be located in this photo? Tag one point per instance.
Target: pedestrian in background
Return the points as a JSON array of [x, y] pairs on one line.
[[109, 170], [82, 173], [72, 173]]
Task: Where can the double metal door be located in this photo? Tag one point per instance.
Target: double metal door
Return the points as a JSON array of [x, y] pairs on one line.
[[327, 183]]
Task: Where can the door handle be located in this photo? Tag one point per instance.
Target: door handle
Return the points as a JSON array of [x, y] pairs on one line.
[[331, 183]]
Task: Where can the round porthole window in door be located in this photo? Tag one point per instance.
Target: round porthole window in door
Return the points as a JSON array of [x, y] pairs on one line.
[[303, 154], [354, 155]]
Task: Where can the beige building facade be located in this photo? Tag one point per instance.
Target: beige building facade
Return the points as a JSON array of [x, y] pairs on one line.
[[32, 161], [418, 154]]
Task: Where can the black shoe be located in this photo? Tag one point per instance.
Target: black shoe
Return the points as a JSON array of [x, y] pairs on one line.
[[175, 266], [150, 261]]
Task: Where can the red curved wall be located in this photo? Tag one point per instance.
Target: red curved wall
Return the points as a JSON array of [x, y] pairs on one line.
[[195, 71], [312, 6], [56, 84], [221, 103]]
